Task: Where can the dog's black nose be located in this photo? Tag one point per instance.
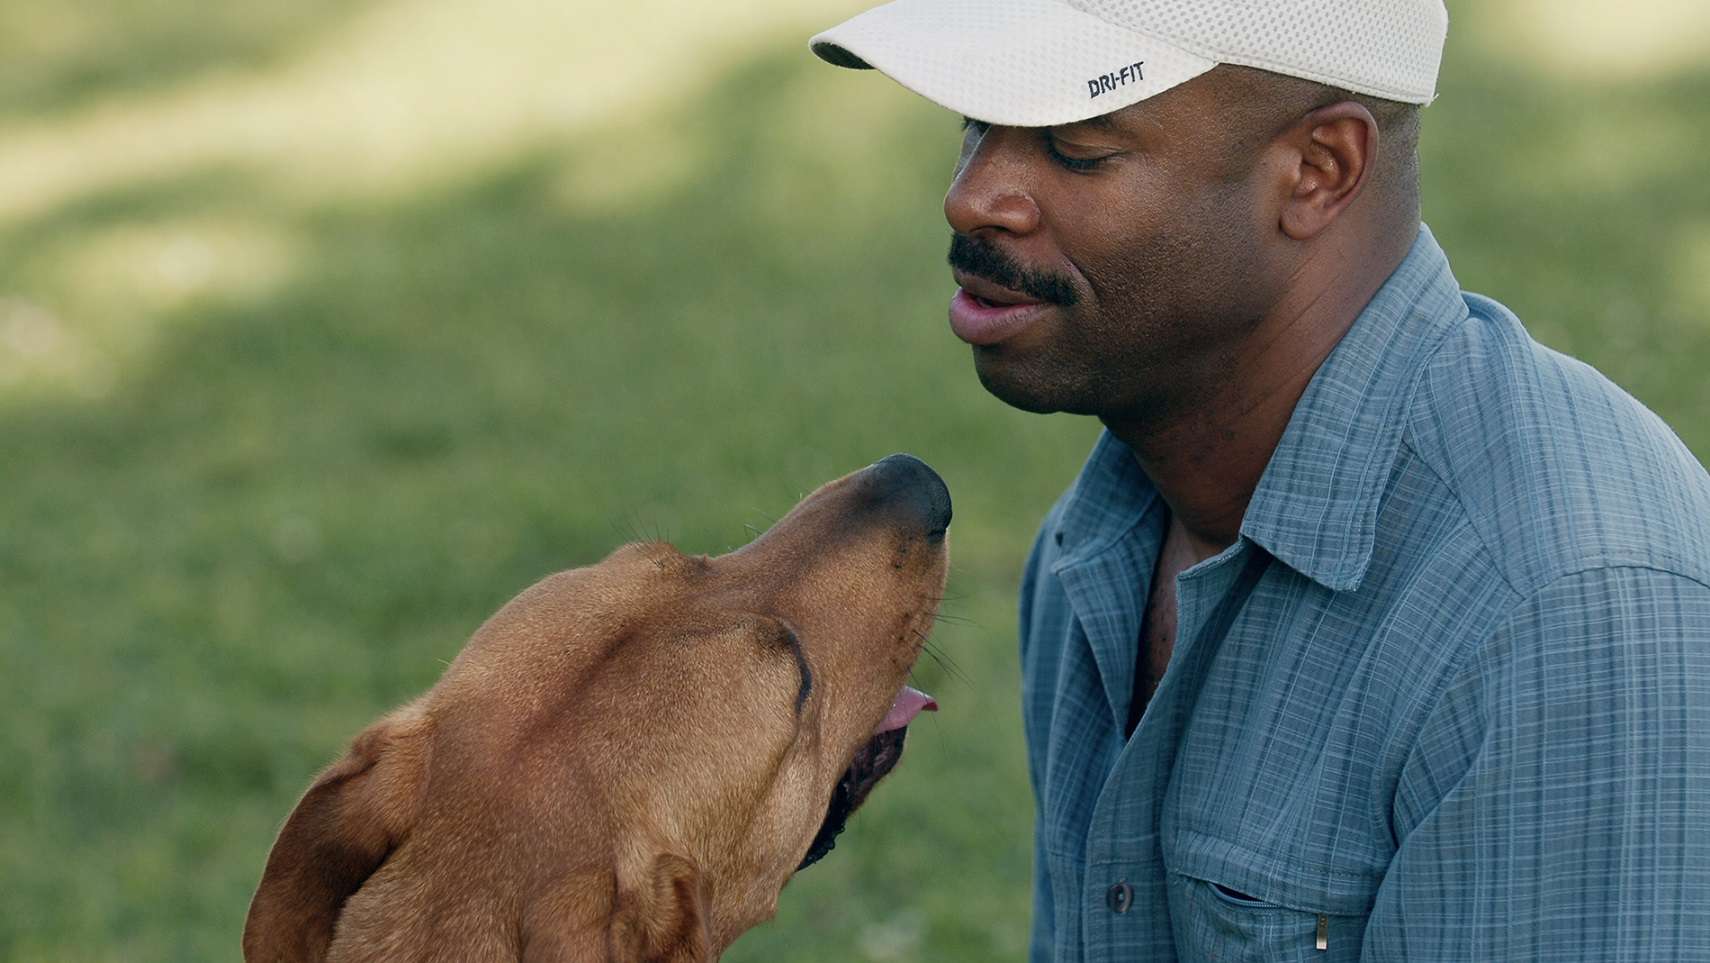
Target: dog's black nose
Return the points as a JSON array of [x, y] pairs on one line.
[[912, 485]]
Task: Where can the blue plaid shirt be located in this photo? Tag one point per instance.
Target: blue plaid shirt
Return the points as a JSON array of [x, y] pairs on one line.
[[1465, 711]]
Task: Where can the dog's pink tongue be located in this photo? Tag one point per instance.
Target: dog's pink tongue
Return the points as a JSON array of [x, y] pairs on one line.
[[910, 702]]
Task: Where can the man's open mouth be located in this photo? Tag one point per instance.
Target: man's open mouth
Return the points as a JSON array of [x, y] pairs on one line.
[[871, 763]]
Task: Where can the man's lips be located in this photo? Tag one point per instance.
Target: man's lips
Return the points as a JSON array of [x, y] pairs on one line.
[[984, 313], [991, 294]]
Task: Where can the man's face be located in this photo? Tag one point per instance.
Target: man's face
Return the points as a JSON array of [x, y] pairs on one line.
[[1111, 267]]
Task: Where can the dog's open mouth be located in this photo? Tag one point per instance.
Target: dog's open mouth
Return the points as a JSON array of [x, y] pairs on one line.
[[871, 763]]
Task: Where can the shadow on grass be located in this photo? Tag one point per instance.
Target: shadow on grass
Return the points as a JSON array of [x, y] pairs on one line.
[[294, 504]]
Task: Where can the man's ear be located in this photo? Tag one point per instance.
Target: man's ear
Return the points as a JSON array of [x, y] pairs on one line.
[[667, 919], [1334, 150], [355, 813]]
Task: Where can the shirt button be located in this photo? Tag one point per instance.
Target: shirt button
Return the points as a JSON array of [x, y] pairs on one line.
[[1120, 897]]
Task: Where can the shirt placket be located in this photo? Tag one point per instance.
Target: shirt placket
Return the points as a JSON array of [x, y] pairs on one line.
[[1125, 910]]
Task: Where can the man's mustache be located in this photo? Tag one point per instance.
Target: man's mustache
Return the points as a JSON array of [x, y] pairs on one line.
[[983, 259]]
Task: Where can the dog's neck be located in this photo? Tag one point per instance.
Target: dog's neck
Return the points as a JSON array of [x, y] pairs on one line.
[[660, 915], [695, 885]]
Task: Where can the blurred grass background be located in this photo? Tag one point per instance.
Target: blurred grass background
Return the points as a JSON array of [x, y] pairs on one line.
[[326, 327]]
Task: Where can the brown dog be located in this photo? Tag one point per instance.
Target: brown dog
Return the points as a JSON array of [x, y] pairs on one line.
[[628, 761]]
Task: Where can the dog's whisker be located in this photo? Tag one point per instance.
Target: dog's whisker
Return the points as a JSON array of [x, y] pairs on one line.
[[950, 668], [929, 648], [627, 528], [944, 659], [944, 662]]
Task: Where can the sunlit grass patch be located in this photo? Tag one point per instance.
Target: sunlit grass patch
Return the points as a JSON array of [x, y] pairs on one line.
[[393, 98], [1587, 42], [37, 346], [116, 286], [58, 57]]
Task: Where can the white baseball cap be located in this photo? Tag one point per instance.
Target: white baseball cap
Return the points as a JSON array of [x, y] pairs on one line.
[[1041, 63]]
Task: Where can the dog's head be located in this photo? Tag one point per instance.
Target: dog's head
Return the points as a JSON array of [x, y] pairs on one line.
[[642, 750]]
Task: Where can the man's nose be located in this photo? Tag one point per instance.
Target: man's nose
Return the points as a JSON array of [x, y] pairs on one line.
[[990, 190]]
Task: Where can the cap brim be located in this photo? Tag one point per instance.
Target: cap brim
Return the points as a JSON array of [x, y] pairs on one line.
[[1021, 63]]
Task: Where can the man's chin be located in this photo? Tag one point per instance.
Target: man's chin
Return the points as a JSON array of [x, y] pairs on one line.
[[1017, 386]]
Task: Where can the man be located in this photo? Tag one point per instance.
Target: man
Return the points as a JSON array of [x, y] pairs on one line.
[[1371, 629]]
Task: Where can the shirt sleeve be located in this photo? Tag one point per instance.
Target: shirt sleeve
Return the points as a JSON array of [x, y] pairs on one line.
[[1556, 804], [1042, 945]]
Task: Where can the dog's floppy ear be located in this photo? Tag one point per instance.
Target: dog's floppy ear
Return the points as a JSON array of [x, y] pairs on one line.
[[355, 813], [666, 920]]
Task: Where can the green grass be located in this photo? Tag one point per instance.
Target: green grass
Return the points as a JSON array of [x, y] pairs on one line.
[[275, 442]]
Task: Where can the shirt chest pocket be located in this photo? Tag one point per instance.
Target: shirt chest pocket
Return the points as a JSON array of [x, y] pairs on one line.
[[1214, 917]]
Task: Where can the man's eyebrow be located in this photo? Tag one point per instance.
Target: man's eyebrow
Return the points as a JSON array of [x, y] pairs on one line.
[[1101, 122], [1104, 124]]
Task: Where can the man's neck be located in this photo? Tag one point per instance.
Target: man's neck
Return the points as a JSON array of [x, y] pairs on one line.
[[1206, 457]]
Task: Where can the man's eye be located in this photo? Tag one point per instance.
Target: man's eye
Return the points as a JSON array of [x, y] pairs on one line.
[[1079, 165]]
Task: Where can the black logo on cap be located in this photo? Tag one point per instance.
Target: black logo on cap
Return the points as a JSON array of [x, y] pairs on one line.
[[1106, 83]]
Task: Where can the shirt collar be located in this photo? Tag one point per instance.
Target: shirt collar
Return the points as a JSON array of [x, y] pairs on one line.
[[1316, 505]]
